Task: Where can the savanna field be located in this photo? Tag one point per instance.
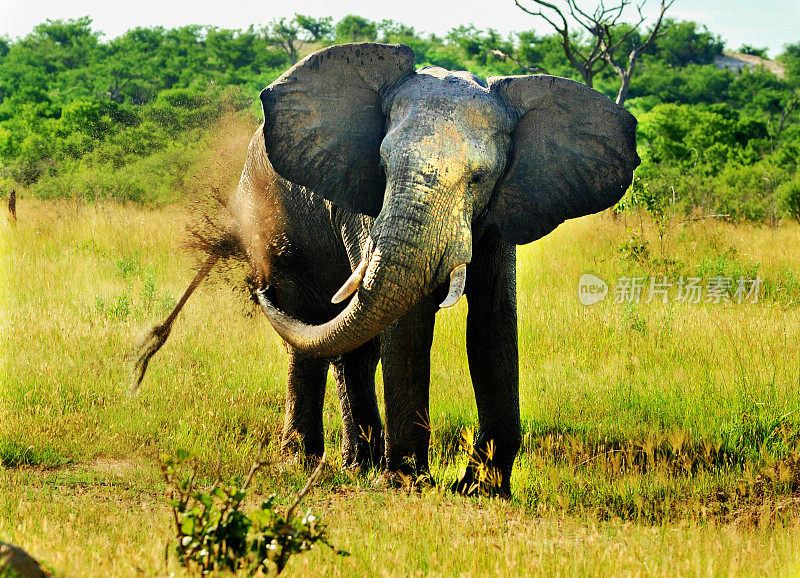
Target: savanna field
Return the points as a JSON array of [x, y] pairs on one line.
[[658, 438]]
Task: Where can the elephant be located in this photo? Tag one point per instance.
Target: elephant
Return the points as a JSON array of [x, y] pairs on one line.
[[374, 194]]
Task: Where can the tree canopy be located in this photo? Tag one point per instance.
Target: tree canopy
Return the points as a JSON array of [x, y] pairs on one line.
[[78, 114]]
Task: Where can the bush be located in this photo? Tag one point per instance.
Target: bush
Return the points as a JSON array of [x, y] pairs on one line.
[[213, 533], [179, 109], [789, 195], [750, 192], [161, 177], [36, 159], [703, 139]]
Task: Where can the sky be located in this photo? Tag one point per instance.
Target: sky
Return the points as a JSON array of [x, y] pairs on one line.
[[759, 23]]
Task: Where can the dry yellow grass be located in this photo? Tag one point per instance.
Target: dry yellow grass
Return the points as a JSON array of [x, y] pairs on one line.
[[80, 488], [88, 523]]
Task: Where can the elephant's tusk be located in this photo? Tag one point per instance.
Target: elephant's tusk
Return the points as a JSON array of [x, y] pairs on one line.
[[351, 285], [458, 279]]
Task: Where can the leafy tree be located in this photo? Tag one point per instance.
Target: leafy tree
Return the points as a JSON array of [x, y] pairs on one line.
[[181, 109], [356, 29], [692, 84], [750, 192], [703, 139], [50, 61], [120, 64], [788, 153], [125, 118], [318, 29], [486, 51], [392, 29], [684, 44], [285, 34], [392, 32], [444, 54], [69, 42], [544, 54], [184, 57], [232, 49], [468, 38], [791, 63], [36, 157], [763, 94], [290, 34], [86, 117], [789, 195]]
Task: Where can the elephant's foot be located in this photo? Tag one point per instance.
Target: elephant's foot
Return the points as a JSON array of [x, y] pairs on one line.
[[410, 472], [396, 479], [302, 449], [364, 452], [483, 479]]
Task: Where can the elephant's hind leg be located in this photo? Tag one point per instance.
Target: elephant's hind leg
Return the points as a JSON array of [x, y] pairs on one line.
[[302, 427], [362, 435]]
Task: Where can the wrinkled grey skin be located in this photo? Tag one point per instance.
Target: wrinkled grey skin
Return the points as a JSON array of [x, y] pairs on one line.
[[418, 172]]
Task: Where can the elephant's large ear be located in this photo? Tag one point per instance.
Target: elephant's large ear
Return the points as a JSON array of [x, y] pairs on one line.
[[573, 153], [324, 121]]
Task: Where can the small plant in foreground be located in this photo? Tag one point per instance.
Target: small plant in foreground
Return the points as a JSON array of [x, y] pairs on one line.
[[213, 533], [486, 479]]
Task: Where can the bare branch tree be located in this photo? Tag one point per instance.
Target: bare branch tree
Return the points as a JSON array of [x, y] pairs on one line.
[[602, 25], [587, 63], [611, 48]]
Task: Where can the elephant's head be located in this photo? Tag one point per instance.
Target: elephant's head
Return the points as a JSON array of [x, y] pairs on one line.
[[434, 156]]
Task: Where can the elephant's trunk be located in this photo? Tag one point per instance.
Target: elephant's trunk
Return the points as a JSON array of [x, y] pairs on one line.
[[411, 257], [381, 300]]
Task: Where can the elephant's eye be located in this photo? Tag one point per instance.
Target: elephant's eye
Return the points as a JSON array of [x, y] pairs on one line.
[[477, 178]]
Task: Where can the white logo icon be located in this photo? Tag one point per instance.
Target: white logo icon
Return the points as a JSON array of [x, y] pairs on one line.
[[591, 289]]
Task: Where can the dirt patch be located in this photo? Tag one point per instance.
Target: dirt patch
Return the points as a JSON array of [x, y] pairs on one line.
[[114, 467]]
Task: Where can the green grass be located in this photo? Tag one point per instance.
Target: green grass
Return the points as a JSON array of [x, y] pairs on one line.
[[658, 439]]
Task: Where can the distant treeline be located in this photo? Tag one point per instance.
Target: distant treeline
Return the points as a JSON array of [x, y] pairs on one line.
[[126, 118]]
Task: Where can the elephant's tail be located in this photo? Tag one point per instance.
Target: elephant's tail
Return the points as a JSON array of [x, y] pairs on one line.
[[157, 336]]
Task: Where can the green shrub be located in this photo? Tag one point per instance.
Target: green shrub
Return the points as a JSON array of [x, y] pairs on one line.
[[749, 192], [789, 195], [213, 533], [180, 109], [635, 249]]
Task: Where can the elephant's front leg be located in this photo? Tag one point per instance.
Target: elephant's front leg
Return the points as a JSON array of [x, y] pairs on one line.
[[362, 435], [406, 362], [493, 365], [302, 427]]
